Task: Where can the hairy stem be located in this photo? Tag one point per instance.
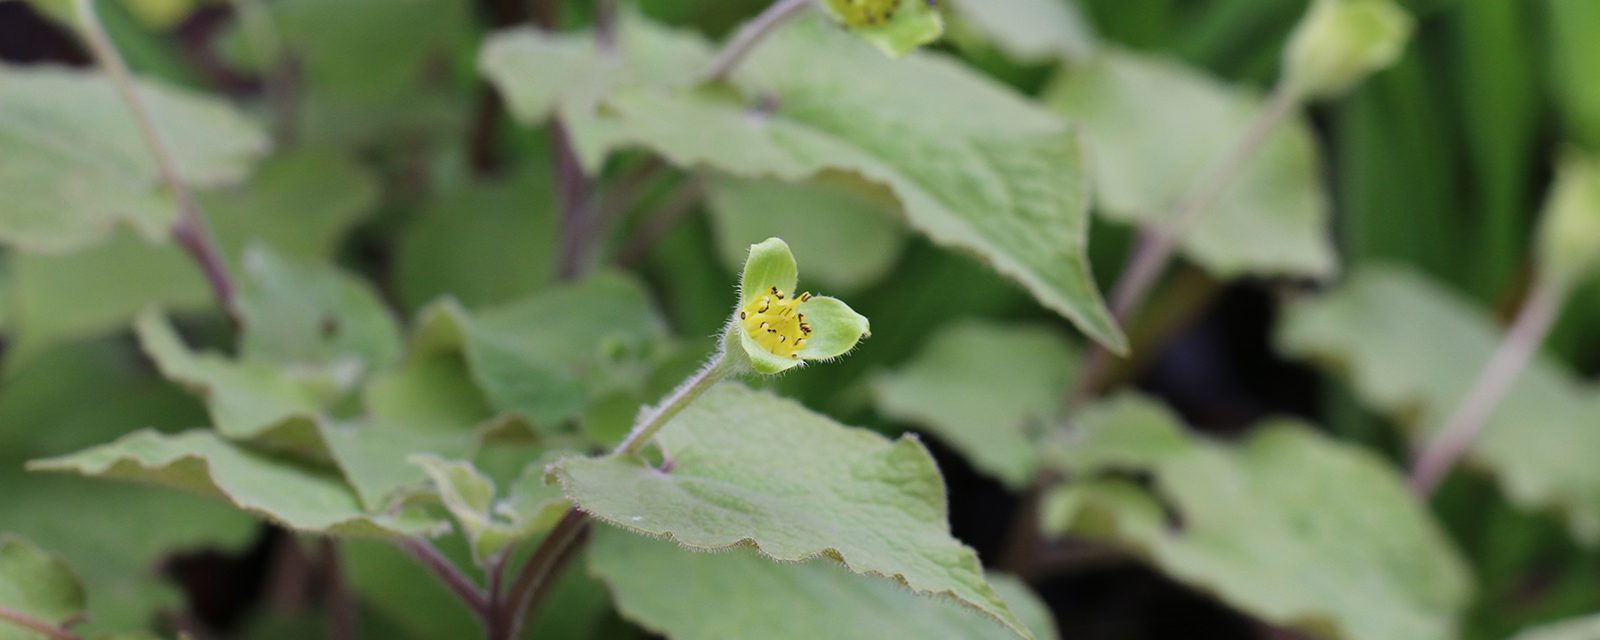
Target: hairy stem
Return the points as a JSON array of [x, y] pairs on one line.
[[1520, 346], [751, 34], [1158, 242], [190, 229], [31, 623], [435, 562], [552, 554]]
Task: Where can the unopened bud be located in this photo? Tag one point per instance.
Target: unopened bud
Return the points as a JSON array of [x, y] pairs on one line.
[[1339, 42], [1569, 236]]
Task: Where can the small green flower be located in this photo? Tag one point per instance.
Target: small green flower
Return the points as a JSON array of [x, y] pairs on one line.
[[1340, 42], [779, 329], [894, 26]]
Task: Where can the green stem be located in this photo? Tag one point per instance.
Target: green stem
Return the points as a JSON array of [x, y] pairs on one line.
[[751, 34], [533, 582], [34, 624], [190, 229], [1520, 346]]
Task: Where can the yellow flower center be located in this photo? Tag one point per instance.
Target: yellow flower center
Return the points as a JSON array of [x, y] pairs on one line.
[[865, 13], [775, 322]]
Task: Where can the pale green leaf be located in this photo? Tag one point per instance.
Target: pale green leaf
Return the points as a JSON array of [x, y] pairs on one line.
[[850, 239], [978, 168], [751, 469], [894, 26], [689, 595], [542, 357], [1153, 128], [283, 492], [1584, 628], [247, 400], [989, 390], [1411, 350], [75, 166], [1289, 526], [299, 204], [372, 456], [36, 584], [304, 314], [510, 227], [1029, 30], [491, 522]]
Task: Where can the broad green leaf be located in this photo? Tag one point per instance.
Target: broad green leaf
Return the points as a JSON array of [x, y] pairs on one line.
[[895, 27], [283, 492], [1153, 127], [1030, 30], [36, 584], [75, 166], [372, 455], [978, 169], [299, 204], [690, 595], [1583, 628], [492, 522], [850, 238], [1289, 526], [543, 357], [989, 390], [297, 313], [751, 469], [249, 401], [368, 72], [42, 413], [510, 227], [1411, 350]]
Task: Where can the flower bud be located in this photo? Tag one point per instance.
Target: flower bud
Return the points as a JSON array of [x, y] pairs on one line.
[[1569, 236], [1339, 42]]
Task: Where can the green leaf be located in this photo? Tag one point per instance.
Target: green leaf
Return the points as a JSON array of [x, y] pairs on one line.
[[492, 523], [1030, 30], [1153, 127], [297, 313], [751, 469], [511, 228], [299, 204], [283, 492], [894, 26], [544, 357], [978, 169], [683, 594], [75, 165], [35, 584], [248, 401], [1289, 526], [850, 239], [1572, 629], [372, 456], [989, 390], [1411, 350]]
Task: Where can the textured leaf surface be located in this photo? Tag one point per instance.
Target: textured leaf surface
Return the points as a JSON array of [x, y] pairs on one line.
[[543, 357], [751, 469], [1030, 30], [511, 228], [1288, 525], [280, 491], [1153, 127], [37, 584], [690, 595], [1411, 350], [298, 204], [304, 314], [849, 239], [978, 169], [989, 390], [75, 165]]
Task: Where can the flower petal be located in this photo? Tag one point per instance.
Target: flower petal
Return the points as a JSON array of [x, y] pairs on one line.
[[763, 361], [770, 264], [835, 328]]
